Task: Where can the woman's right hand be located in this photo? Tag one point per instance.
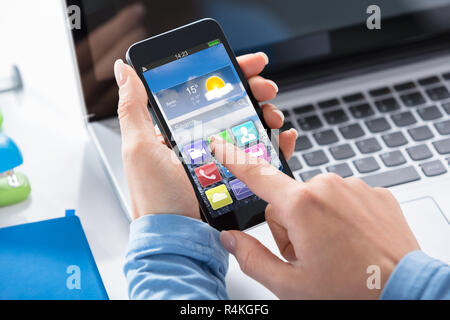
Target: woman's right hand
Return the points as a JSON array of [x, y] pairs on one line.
[[329, 230]]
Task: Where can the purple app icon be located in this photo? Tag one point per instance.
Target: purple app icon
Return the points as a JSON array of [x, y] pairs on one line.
[[197, 152], [240, 190]]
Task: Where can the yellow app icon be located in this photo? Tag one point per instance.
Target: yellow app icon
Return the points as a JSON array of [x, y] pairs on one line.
[[219, 197]]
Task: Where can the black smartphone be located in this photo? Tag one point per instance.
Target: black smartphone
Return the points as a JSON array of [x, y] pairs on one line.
[[196, 90]]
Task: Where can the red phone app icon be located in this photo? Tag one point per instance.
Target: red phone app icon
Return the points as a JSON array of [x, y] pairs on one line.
[[208, 174]]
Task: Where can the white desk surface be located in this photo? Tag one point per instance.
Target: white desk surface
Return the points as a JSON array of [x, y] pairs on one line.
[[62, 164]]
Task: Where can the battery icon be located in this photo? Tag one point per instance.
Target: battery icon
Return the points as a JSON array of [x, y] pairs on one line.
[[213, 43]]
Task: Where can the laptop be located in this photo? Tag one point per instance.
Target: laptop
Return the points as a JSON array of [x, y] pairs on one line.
[[367, 102]]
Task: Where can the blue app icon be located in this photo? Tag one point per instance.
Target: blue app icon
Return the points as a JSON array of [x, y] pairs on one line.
[[225, 171], [245, 133]]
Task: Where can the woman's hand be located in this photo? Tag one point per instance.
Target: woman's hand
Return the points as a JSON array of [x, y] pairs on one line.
[[329, 230], [156, 178]]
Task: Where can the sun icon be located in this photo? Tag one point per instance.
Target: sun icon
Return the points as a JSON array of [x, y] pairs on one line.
[[216, 88], [214, 82]]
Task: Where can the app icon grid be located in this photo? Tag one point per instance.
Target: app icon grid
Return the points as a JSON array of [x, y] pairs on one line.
[[255, 135]]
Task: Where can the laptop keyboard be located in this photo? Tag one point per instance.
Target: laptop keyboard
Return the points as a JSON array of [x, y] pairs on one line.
[[387, 136]]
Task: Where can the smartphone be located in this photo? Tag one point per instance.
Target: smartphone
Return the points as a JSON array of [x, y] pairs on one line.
[[196, 90]]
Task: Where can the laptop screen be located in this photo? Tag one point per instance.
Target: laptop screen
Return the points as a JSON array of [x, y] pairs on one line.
[[291, 32]]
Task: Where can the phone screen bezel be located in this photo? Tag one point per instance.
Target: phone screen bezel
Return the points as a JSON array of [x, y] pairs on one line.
[[169, 43]]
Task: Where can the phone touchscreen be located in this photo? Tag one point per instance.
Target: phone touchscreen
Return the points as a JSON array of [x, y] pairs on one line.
[[200, 95]]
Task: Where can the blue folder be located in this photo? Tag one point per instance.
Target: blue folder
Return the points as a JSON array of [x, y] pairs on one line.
[[48, 260]]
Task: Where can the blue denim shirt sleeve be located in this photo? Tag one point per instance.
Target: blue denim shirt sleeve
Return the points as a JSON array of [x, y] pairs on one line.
[[175, 257], [418, 276]]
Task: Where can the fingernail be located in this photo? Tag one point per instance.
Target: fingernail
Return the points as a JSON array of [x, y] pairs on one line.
[[217, 139], [139, 9], [119, 72], [264, 55], [213, 141], [228, 241], [211, 144], [280, 114], [295, 132], [273, 84]]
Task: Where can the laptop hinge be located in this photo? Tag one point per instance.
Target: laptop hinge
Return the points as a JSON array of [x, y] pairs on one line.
[[332, 70]]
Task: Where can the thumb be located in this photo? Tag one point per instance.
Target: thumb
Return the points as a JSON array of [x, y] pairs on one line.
[[133, 113], [257, 261]]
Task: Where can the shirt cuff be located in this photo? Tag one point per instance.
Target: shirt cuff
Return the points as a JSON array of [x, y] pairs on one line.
[[411, 277], [179, 235]]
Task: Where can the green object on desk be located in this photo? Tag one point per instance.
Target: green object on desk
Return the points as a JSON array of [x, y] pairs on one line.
[[14, 187], [14, 194], [1, 119]]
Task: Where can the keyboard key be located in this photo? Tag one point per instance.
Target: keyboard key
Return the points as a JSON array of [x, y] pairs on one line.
[[428, 81], [446, 76], [442, 146], [446, 107], [429, 113], [286, 113], [343, 151], [366, 165], [377, 125], [307, 175], [304, 109], [403, 119], [404, 86], [387, 105], [294, 163], [392, 177], [394, 139], [420, 152], [363, 110], [315, 158], [309, 123], [302, 143], [413, 99], [420, 133], [443, 127], [393, 159], [325, 137], [328, 103], [341, 169], [438, 93], [379, 92], [335, 117], [351, 131], [368, 145], [433, 168], [353, 97]]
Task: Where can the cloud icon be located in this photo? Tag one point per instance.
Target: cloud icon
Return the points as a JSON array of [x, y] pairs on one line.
[[218, 197], [216, 88]]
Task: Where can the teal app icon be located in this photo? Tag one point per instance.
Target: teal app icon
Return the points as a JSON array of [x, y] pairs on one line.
[[245, 134]]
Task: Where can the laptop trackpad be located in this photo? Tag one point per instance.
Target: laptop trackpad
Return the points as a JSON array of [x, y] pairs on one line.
[[430, 227]]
